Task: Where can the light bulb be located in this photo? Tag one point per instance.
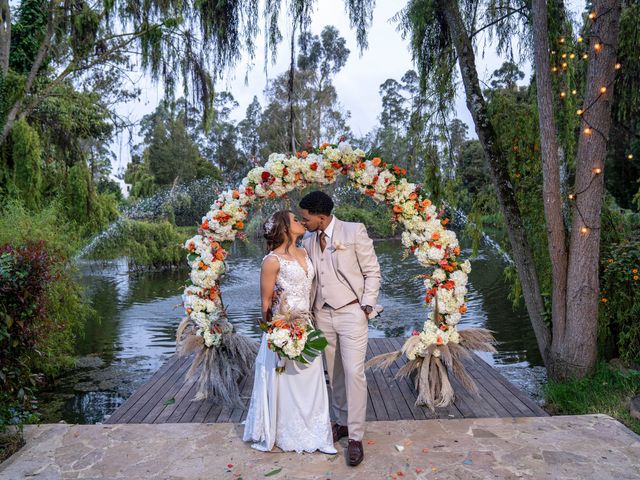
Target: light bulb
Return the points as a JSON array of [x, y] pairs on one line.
[[596, 170], [597, 47], [564, 55], [563, 94], [587, 131], [630, 156], [579, 111], [603, 89], [579, 39], [564, 64], [571, 196], [592, 15], [561, 39], [573, 55], [554, 69], [584, 230], [617, 66], [574, 92]]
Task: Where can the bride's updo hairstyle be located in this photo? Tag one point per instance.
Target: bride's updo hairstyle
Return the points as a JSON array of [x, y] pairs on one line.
[[276, 230]]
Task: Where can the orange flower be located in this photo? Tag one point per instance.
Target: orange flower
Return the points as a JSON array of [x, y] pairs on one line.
[[444, 328], [435, 236], [404, 171], [397, 208], [426, 203], [205, 225], [449, 285], [304, 154], [376, 161], [220, 254], [215, 245], [189, 310], [297, 177], [635, 277], [413, 196], [280, 324], [370, 191], [604, 300], [634, 271], [445, 221], [323, 146], [239, 225], [272, 195], [202, 265], [191, 246], [439, 340], [391, 189], [235, 194], [463, 309], [248, 191], [361, 165], [456, 251], [328, 173], [213, 294]]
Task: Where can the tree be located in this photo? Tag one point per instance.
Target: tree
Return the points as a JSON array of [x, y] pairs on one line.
[[250, 141], [506, 76], [442, 37], [575, 261]]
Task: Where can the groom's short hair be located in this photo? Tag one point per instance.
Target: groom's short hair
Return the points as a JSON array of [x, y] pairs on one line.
[[317, 203]]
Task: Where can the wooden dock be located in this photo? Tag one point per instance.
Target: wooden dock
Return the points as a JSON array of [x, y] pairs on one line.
[[167, 397]]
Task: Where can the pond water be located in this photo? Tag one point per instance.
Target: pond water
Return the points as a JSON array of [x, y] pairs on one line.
[[133, 333]]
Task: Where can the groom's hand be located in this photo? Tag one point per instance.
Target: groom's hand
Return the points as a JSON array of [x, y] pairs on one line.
[[367, 309]]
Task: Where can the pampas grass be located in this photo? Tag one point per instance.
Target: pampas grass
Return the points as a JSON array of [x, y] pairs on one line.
[[221, 368]]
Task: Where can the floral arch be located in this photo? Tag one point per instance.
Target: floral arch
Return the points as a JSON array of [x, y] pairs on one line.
[[227, 356]]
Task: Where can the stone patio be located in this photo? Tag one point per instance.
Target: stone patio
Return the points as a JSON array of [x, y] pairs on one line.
[[569, 447]]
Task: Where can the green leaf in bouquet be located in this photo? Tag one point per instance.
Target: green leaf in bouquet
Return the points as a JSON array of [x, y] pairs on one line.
[[191, 257]]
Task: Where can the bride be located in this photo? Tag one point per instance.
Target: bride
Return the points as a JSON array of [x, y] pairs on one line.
[[288, 409]]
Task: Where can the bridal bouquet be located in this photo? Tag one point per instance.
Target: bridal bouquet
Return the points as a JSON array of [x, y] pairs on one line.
[[291, 335]]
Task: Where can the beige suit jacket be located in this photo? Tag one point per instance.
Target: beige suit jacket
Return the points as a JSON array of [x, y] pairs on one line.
[[354, 261]]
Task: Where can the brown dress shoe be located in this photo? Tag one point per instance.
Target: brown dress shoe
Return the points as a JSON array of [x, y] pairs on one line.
[[355, 453], [339, 431]]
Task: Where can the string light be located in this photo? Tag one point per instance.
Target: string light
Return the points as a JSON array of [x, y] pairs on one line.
[[597, 47], [554, 69], [574, 92], [585, 56], [630, 156], [563, 94], [561, 39], [587, 131], [564, 55], [564, 64], [579, 39], [579, 111], [592, 15], [596, 170], [572, 56], [617, 66], [584, 230], [603, 89], [571, 196]]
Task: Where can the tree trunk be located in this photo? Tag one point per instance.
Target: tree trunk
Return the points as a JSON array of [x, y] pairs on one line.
[[577, 354], [5, 36], [292, 141], [521, 251], [551, 187]]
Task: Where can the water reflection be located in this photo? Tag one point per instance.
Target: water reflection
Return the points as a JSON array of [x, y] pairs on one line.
[[132, 334]]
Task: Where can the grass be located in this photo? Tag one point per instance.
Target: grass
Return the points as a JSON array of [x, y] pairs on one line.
[[10, 443], [606, 391]]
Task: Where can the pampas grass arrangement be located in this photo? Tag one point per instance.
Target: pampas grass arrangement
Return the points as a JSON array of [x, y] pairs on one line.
[[221, 367], [431, 368]]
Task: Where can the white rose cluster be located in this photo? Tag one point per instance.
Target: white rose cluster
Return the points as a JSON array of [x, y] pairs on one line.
[[432, 335], [289, 344]]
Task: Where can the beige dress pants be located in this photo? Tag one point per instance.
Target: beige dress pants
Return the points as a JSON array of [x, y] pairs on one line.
[[346, 330]]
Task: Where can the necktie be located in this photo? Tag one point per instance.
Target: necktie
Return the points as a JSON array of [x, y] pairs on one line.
[[323, 240]]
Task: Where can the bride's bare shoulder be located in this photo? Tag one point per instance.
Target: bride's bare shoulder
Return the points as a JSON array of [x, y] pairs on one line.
[[270, 261]]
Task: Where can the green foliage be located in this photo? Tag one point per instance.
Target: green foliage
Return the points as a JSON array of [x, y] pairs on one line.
[[606, 391], [378, 220], [27, 164], [618, 326], [42, 308], [146, 244]]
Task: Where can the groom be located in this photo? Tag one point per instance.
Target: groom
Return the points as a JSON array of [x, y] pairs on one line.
[[344, 292]]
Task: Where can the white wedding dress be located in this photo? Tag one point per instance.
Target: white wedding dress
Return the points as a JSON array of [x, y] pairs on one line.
[[289, 409]]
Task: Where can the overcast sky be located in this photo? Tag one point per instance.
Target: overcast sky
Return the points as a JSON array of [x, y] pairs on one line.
[[357, 83]]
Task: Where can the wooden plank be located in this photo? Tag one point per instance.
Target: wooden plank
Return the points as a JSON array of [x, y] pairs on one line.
[[161, 395], [148, 393], [515, 392], [379, 405], [485, 393], [131, 401], [175, 393], [246, 386], [182, 405], [393, 388], [514, 407]]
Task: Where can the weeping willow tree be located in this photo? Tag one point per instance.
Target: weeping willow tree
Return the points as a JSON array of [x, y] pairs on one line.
[[178, 43], [443, 36]]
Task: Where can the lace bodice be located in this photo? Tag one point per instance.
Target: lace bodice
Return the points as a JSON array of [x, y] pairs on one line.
[[293, 283]]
